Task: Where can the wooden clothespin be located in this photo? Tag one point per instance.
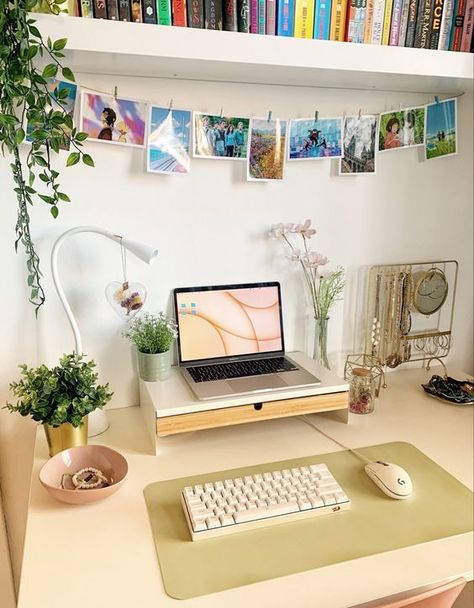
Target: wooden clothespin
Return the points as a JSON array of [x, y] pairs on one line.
[[115, 92], [269, 116], [316, 114]]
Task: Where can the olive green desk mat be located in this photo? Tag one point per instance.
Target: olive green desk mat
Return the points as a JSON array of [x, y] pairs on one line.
[[440, 506]]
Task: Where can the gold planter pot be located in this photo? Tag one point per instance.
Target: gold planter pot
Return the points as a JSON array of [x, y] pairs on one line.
[[65, 436]]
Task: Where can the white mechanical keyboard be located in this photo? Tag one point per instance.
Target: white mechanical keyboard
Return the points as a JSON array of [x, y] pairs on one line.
[[254, 501]]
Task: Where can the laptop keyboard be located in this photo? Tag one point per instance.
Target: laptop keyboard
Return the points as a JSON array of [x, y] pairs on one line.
[[240, 369]]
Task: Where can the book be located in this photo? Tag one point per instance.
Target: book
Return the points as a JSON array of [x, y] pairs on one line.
[[395, 23], [86, 8], [338, 20], [124, 10], [100, 10], [304, 18], [404, 23], [212, 14], [163, 9], [423, 24], [136, 11], [254, 16], [435, 25], [112, 10], [322, 19], [361, 11], [456, 27], [446, 23], [270, 27], [350, 20], [411, 26], [262, 16], [387, 20], [229, 15], [467, 27], [195, 16], [243, 16], [377, 21], [286, 18], [369, 19], [148, 11]]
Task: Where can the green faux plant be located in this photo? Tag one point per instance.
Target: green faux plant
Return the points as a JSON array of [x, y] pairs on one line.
[[152, 334], [26, 100], [65, 393]]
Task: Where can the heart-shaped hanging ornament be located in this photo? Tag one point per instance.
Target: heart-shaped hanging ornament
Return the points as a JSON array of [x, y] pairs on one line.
[[126, 298]]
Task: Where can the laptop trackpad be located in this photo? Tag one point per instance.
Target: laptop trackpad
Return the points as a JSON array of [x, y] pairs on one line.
[[255, 383]]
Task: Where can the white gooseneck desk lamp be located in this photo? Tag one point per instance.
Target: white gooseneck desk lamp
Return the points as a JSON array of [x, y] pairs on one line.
[[98, 422]]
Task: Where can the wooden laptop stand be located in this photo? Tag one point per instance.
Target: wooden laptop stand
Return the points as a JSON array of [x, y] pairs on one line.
[[170, 407]]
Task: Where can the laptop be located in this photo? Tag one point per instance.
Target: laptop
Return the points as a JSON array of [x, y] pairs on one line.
[[230, 341]]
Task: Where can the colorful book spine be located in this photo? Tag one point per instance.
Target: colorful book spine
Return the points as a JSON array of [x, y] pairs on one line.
[[446, 23], [136, 11], [286, 18], [243, 16], [112, 10], [213, 14], [149, 11], [387, 19], [377, 25], [100, 9], [468, 27], [350, 21], [254, 16], [230, 15], [456, 28], [423, 24], [369, 20], [436, 17], [124, 10], [270, 25], [304, 18], [322, 19], [195, 16], [361, 13], [411, 27], [395, 23], [404, 23], [86, 8], [338, 20], [262, 16]]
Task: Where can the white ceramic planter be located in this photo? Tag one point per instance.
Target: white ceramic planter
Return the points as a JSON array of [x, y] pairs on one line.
[[153, 368]]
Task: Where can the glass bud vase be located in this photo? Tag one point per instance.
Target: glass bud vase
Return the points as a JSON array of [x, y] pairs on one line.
[[320, 346]]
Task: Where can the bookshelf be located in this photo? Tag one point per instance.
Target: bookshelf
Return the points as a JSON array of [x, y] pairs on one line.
[[136, 49]]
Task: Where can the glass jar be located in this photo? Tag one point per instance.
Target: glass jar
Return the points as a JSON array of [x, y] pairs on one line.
[[362, 391]]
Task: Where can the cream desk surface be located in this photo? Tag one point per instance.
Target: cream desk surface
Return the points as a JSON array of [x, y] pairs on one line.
[[102, 555]]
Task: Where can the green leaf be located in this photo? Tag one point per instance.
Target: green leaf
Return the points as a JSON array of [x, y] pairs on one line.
[[40, 160], [73, 159], [54, 211], [87, 160], [59, 44], [50, 70], [32, 52], [19, 135], [81, 136], [67, 73], [8, 119], [49, 43], [64, 197], [34, 31], [47, 199]]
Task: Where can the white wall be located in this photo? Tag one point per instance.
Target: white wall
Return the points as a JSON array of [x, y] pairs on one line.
[[209, 227]]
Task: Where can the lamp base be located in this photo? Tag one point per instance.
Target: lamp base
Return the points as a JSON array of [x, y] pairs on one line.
[[98, 423]]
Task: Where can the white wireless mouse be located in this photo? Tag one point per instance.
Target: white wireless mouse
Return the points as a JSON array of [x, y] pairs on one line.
[[390, 478]]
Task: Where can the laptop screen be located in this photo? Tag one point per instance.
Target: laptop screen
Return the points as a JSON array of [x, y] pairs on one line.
[[228, 321]]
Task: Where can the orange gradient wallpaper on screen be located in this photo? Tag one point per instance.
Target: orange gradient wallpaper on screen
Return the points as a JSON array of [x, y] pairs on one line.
[[228, 322]]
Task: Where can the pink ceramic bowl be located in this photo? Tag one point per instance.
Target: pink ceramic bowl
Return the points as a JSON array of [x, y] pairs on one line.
[[112, 464]]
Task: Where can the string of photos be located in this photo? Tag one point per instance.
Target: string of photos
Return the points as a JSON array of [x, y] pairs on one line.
[[172, 136]]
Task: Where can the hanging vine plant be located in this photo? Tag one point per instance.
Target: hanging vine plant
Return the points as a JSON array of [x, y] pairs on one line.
[[28, 109]]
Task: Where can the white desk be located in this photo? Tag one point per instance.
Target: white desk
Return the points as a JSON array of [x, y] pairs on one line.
[[103, 556]]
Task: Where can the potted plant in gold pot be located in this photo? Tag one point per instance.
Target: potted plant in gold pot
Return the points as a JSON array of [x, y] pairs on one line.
[[60, 399]]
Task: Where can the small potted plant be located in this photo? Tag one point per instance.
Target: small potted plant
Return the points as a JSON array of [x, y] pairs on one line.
[[153, 336], [60, 399]]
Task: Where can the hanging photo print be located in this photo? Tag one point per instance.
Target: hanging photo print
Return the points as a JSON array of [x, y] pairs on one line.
[[220, 136], [168, 146], [403, 129], [112, 119], [266, 149], [441, 129], [359, 145], [63, 95], [311, 139]]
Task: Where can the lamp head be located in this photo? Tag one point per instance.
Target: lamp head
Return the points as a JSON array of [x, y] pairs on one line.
[[141, 250]]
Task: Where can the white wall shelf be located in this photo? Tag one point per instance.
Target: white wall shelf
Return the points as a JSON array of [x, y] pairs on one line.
[[135, 49]]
